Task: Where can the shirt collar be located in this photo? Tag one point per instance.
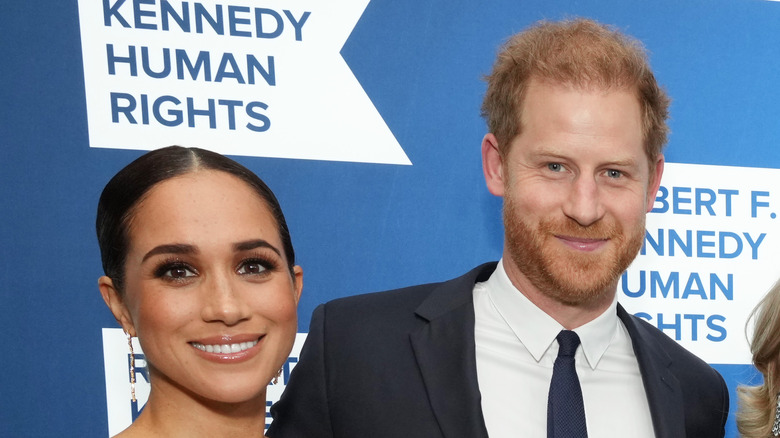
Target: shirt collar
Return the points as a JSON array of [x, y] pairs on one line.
[[537, 330]]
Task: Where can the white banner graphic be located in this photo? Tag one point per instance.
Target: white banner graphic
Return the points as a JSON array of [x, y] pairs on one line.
[[238, 77], [710, 255]]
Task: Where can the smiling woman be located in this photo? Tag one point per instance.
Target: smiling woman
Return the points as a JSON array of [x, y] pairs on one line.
[[200, 267]]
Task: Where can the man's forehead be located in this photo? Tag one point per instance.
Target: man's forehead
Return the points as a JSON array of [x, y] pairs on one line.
[[559, 118]]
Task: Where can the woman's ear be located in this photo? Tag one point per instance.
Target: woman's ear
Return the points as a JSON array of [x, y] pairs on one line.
[[114, 302], [297, 282]]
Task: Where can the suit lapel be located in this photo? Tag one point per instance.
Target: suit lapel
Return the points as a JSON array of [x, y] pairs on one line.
[[445, 352], [664, 394]]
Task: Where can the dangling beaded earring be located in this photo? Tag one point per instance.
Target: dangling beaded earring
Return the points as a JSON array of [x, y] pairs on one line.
[[132, 367], [776, 425], [276, 377]]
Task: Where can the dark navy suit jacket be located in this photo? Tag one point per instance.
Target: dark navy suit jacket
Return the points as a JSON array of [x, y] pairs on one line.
[[402, 364]]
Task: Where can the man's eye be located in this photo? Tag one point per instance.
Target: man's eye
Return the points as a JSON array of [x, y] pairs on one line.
[[614, 173], [555, 167]]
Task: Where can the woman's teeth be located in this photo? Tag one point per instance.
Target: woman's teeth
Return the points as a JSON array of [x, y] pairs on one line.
[[224, 348]]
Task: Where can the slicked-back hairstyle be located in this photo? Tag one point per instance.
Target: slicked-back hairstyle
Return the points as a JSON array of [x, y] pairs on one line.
[[757, 404], [130, 185], [579, 53]]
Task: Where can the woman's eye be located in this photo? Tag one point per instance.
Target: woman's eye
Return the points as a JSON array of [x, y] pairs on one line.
[[251, 267], [176, 272], [555, 167]]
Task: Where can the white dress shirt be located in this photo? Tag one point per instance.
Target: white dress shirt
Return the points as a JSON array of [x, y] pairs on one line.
[[516, 350]]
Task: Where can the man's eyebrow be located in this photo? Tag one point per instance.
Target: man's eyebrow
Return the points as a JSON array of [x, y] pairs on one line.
[[628, 162], [172, 248]]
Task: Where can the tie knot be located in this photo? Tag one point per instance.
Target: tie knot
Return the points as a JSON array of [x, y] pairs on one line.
[[568, 341]]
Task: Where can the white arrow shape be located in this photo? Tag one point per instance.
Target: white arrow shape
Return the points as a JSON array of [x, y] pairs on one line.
[[309, 105]]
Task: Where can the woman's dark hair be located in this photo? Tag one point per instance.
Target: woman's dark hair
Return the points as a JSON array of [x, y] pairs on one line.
[[128, 187]]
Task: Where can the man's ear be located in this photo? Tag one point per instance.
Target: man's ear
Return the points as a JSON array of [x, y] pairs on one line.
[[655, 182], [492, 165], [114, 302]]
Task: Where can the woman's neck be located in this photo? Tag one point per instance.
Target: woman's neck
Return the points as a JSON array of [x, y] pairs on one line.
[[174, 412]]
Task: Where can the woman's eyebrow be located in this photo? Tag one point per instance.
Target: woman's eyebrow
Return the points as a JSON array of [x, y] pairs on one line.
[[171, 248], [252, 244]]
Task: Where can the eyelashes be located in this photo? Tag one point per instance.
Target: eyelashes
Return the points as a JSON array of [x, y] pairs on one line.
[[256, 266], [176, 270]]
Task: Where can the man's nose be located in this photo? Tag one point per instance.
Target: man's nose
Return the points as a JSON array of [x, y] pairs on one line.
[[584, 202]]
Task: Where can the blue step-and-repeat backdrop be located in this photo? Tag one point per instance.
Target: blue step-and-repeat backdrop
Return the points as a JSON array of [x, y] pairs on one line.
[[363, 117]]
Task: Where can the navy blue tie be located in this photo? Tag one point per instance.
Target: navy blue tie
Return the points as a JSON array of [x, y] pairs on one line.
[[565, 411]]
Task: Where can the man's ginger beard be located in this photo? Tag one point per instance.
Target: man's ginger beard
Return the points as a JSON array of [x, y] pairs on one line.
[[564, 274]]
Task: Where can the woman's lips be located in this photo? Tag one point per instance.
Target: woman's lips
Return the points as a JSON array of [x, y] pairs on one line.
[[228, 348]]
